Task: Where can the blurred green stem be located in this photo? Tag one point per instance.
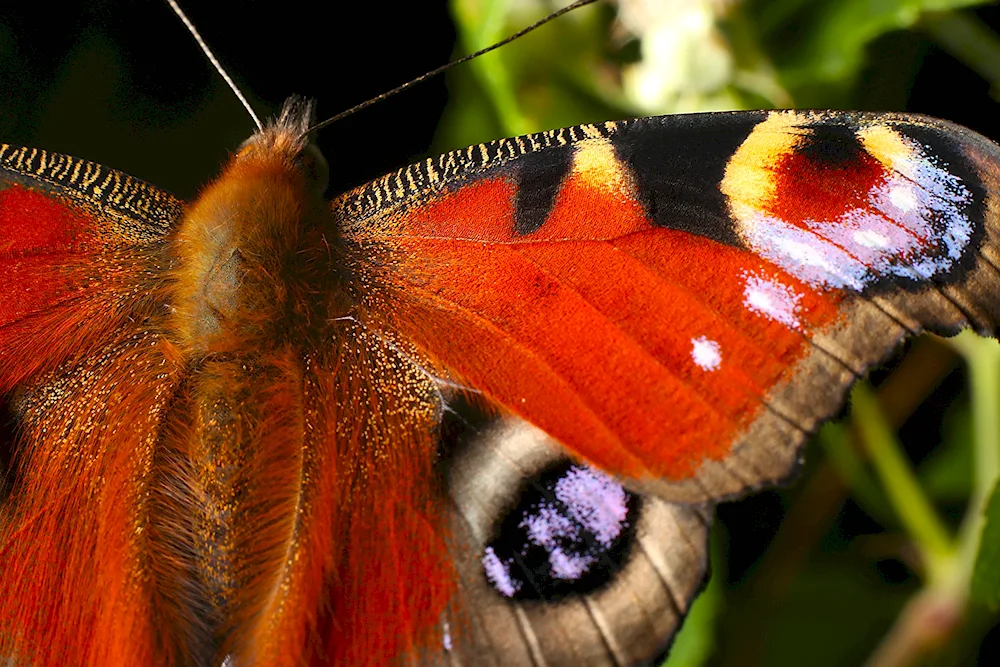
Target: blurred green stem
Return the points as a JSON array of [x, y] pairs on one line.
[[933, 615], [481, 23], [982, 357], [900, 482]]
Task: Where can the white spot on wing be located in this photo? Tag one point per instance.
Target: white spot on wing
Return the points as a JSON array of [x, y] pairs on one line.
[[902, 197], [773, 300], [446, 636], [706, 353], [869, 238]]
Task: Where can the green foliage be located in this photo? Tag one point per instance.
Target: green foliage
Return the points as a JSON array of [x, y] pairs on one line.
[[819, 48], [763, 53], [544, 80], [986, 575], [828, 619]]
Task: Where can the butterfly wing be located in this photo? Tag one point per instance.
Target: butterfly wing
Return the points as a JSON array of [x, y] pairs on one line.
[[645, 291], [677, 301], [86, 373], [557, 563], [75, 236]]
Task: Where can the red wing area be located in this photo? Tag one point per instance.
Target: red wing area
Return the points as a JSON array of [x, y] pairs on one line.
[[48, 257], [87, 374], [76, 567], [627, 350], [616, 337], [41, 235], [74, 267]]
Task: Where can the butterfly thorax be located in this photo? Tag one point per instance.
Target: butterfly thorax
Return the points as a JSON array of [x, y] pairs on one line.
[[256, 268], [255, 246]]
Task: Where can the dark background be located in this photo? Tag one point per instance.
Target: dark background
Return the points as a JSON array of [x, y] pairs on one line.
[[123, 84]]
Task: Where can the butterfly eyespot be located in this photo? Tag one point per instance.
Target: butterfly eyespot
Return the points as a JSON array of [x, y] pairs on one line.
[[570, 533], [547, 543], [549, 528], [849, 205]]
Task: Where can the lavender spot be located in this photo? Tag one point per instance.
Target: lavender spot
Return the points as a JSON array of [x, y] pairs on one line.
[[569, 534]]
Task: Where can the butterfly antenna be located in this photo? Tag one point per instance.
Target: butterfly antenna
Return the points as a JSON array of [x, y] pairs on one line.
[[215, 61], [446, 67]]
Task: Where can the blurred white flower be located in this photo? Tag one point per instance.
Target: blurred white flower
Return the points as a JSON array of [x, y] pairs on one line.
[[686, 60]]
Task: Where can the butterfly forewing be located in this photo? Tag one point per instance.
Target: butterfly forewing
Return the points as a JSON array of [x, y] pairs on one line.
[[88, 374], [80, 253], [659, 307]]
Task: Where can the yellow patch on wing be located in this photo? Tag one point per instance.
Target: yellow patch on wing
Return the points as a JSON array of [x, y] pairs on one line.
[[595, 165], [749, 182], [888, 147]]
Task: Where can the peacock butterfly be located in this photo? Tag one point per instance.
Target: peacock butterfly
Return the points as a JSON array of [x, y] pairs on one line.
[[92, 356]]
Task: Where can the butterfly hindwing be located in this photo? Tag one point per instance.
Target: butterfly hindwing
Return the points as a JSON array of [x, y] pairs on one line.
[[609, 585]]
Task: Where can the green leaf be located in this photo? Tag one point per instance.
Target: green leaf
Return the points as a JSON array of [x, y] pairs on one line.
[[947, 473], [986, 574], [821, 47], [543, 80], [695, 642]]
